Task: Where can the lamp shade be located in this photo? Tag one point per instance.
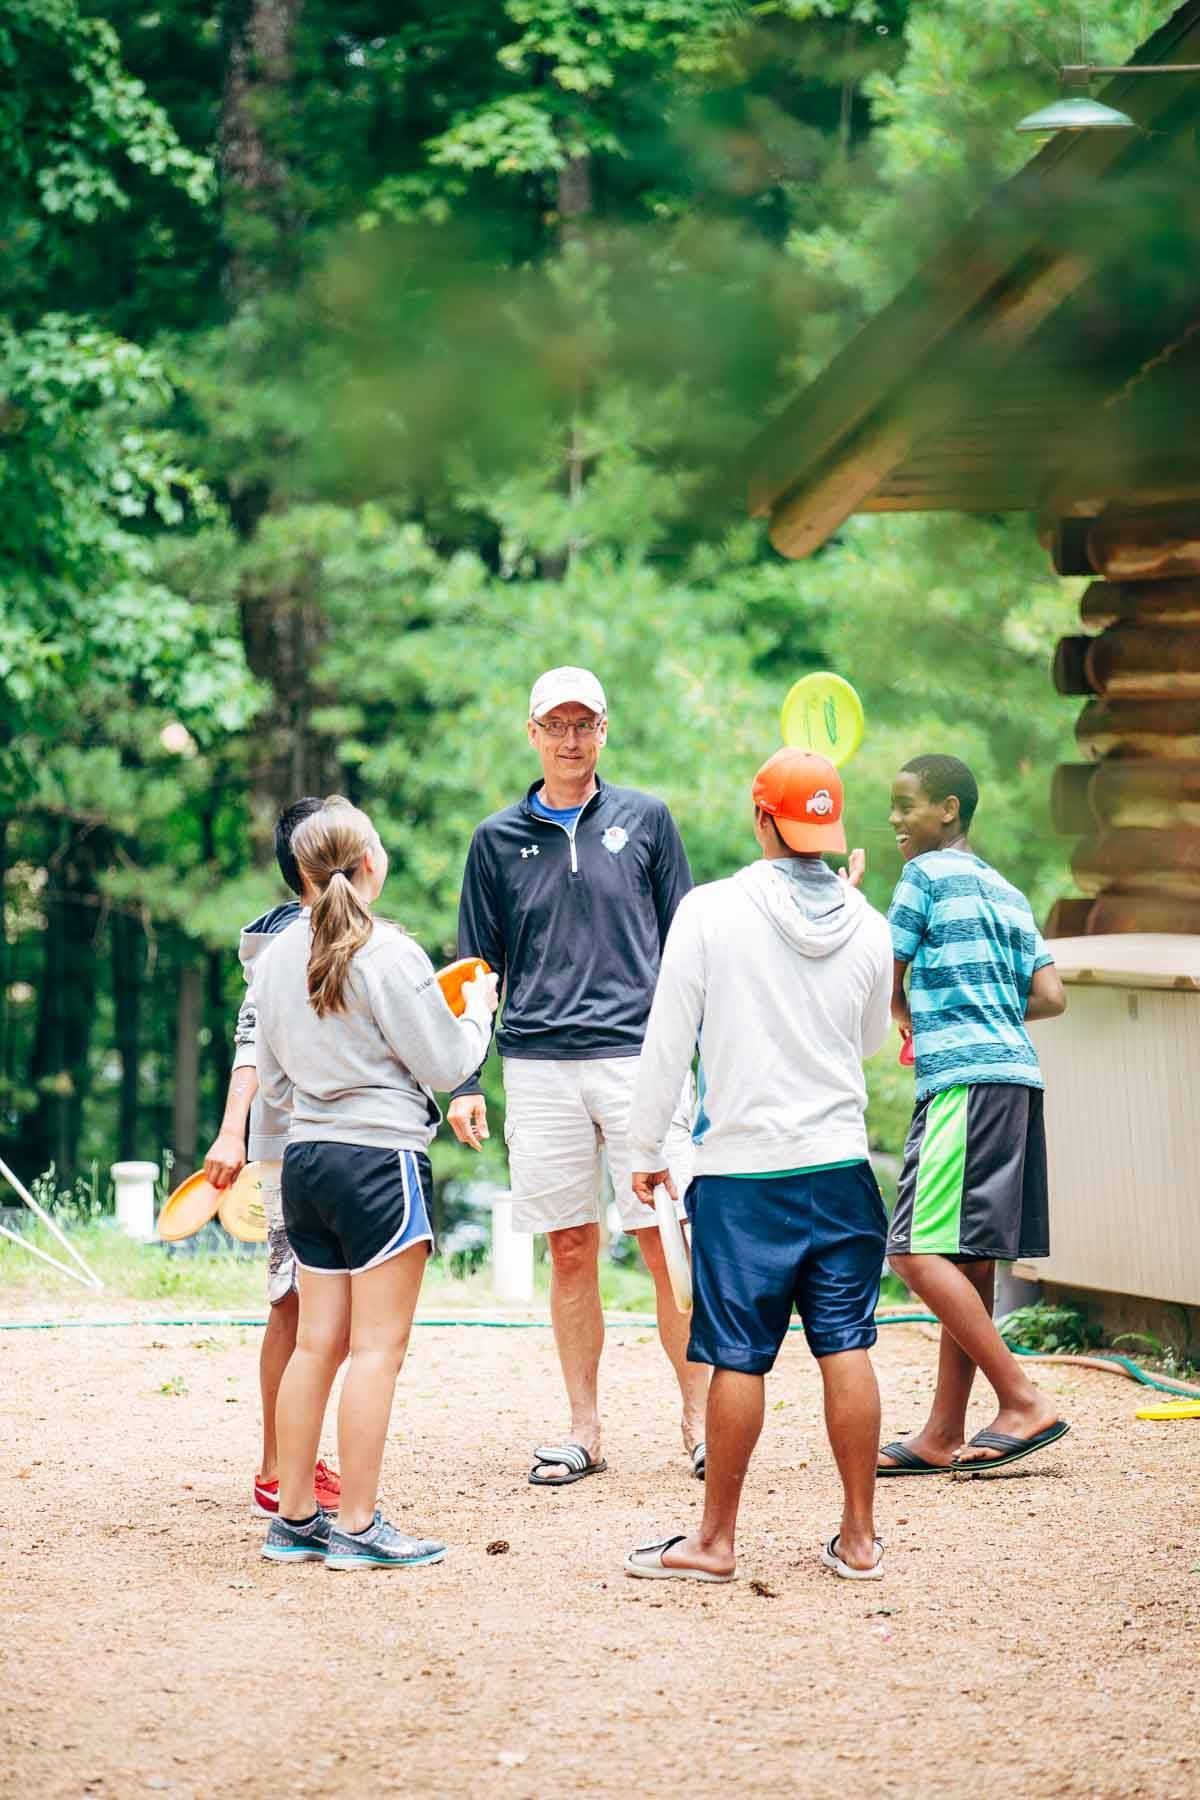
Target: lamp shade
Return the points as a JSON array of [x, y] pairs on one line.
[[1076, 114]]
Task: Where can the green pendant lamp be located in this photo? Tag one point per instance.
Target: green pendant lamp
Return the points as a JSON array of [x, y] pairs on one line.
[[1079, 112], [1076, 114]]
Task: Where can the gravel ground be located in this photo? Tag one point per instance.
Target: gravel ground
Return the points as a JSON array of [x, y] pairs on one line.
[[1035, 1635]]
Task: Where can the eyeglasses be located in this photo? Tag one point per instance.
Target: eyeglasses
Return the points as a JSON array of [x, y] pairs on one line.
[[558, 728]]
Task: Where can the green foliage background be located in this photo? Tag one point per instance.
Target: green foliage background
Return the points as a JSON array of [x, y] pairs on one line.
[[359, 361]]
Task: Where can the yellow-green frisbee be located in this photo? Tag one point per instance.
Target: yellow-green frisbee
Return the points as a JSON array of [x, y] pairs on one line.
[[822, 712]]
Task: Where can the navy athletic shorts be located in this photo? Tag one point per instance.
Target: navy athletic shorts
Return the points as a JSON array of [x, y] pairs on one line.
[[347, 1207], [759, 1247]]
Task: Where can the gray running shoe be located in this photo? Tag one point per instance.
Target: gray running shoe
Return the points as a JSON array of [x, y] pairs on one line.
[[380, 1546], [297, 1543]]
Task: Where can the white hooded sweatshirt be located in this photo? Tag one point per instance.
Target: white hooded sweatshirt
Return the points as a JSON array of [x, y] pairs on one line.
[[783, 975]]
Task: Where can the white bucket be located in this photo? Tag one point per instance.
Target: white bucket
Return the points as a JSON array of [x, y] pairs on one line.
[[134, 1182], [512, 1256]]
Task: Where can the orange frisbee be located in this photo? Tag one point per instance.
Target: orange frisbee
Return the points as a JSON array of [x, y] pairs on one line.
[[188, 1209], [454, 977], [241, 1211]]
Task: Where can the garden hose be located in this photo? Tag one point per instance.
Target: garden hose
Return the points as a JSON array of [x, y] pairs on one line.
[[1115, 1365], [1111, 1364]]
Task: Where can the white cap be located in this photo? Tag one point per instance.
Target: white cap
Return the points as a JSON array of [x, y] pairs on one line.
[[559, 685]]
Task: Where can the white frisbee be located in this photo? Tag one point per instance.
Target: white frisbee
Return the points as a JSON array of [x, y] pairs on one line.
[[679, 1269]]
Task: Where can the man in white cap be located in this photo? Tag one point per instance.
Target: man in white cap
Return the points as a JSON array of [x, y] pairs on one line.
[[569, 895]]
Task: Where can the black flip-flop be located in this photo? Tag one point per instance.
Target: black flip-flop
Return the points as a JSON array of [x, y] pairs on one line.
[[572, 1457], [1013, 1448], [909, 1463]]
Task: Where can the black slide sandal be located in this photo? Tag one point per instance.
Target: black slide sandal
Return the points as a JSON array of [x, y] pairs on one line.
[[572, 1457]]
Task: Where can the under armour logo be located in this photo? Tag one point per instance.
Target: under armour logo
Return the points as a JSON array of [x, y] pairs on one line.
[[530, 850]]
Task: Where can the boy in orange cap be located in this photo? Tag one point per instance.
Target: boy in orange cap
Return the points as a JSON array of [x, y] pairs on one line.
[[782, 974]]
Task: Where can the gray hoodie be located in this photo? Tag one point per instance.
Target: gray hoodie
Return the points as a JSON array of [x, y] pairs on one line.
[[268, 1126], [783, 976], [362, 1076]]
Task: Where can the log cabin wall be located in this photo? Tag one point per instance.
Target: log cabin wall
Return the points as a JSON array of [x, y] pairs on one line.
[[1134, 804]]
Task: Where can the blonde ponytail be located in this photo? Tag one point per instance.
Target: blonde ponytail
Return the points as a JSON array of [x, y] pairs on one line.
[[329, 846]]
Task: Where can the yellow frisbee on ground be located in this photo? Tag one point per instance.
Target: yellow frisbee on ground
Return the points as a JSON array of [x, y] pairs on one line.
[[1171, 1409], [823, 713], [241, 1211], [186, 1211], [679, 1269]]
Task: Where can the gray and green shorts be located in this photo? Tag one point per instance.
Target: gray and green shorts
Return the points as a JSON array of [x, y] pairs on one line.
[[282, 1279], [973, 1186]]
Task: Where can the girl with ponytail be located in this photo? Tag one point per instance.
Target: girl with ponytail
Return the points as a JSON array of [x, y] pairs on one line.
[[353, 1036]]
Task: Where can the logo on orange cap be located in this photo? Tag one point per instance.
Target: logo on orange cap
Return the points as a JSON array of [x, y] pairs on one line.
[[802, 792]]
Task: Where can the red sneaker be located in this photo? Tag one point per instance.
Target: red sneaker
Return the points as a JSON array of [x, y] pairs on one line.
[[266, 1495], [326, 1488]]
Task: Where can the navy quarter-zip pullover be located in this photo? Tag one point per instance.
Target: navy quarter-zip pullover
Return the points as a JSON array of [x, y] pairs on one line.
[[573, 922]]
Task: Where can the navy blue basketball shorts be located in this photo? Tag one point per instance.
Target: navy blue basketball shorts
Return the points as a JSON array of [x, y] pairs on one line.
[[760, 1247], [348, 1208]]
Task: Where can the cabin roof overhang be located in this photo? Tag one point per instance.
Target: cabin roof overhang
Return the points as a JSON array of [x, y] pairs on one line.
[[1047, 359]]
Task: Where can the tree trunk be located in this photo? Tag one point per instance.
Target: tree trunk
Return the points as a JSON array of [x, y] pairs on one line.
[[220, 1029], [4, 975], [283, 631], [574, 194], [260, 215], [282, 626], [127, 964], [67, 993], [573, 204], [189, 1016]]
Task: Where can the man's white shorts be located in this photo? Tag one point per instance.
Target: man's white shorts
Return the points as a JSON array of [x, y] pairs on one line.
[[281, 1264], [558, 1116]]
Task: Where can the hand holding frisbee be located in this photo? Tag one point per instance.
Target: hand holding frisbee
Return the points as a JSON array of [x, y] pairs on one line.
[[187, 1210], [241, 1211], [465, 986]]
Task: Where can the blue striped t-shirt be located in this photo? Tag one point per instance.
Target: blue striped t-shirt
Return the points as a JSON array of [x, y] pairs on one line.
[[971, 939]]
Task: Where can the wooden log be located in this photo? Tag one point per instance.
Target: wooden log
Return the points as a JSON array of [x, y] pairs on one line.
[[1069, 547], [1070, 802], [1070, 666], [1140, 862], [1168, 730], [1143, 794], [1155, 545], [1131, 662], [1068, 917], [1117, 911], [1140, 603]]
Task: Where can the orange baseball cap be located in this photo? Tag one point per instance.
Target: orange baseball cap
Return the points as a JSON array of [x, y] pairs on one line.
[[802, 792]]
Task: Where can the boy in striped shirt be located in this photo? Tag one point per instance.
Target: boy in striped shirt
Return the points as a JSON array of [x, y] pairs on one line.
[[973, 1187]]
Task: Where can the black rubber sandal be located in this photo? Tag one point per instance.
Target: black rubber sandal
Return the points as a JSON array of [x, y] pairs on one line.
[[1014, 1448], [572, 1457]]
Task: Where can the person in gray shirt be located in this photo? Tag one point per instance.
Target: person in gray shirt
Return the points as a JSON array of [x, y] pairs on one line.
[[353, 1035]]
